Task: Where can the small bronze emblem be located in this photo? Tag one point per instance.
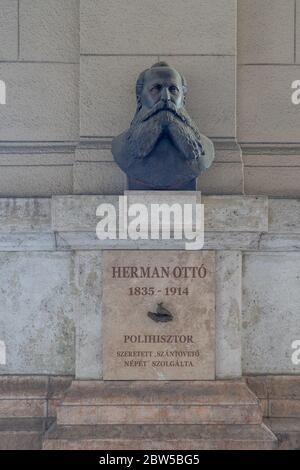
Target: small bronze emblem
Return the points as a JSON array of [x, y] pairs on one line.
[[161, 314]]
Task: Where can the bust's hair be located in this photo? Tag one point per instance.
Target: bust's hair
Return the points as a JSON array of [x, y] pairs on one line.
[[140, 81]]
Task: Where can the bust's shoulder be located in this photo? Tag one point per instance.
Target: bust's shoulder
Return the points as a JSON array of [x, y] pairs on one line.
[[119, 142]]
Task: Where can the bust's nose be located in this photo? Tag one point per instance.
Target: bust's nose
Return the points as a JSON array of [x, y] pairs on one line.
[[165, 94]]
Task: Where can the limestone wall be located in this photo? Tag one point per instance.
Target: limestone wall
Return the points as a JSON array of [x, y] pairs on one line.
[[70, 67]]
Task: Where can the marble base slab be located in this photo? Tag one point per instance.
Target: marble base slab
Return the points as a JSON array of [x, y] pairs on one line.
[[176, 340]]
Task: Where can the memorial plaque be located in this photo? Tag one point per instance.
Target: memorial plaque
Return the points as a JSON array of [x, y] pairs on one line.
[[159, 315]]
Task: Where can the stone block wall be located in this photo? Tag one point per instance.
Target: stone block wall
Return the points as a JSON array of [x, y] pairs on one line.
[[70, 67], [39, 63], [268, 121]]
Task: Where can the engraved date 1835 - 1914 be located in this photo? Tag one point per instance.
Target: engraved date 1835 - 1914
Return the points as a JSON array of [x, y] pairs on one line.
[[152, 291]]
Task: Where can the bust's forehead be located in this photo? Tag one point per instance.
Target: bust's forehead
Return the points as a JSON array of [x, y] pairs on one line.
[[162, 73]]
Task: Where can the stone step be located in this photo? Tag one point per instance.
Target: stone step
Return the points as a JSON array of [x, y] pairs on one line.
[[175, 402], [160, 437], [287, 431], [21, 433]]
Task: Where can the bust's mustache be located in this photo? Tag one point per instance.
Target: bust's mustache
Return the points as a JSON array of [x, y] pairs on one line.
[[144, 115], [164, 118], [161, 106]]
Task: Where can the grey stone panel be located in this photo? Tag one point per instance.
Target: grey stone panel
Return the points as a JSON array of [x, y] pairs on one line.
[[8, 30], [36, 313], [88, 295], [266, 31], [265, 110], [228, 314], [163, 27], [98, 178], [270, 320], [107, 93], [49, 30], [41, 102]]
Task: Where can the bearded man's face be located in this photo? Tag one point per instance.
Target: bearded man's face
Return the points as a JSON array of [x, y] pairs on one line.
[[162, 85]]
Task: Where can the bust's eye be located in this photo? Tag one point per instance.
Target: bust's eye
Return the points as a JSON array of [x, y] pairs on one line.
[[173, 89], [156, 87]]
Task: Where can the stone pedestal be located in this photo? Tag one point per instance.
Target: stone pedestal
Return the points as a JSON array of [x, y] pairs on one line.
[[51, 244], [159, 415], [137, 398]]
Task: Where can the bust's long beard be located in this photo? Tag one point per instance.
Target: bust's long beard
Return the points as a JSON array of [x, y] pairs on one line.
[[146, 129]]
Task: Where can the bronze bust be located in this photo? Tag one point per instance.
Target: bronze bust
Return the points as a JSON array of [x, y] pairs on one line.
[[162, 149]]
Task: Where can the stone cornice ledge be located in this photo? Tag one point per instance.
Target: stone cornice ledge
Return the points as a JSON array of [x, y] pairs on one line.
[[69, 223]]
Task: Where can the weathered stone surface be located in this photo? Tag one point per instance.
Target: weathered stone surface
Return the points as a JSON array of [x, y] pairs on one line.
[[27, 241], [77, 213], [91, 392], [266, 31], [284, 387], [231, 240], [272, 181], [235, 213], [228, 314], [21, 434], [212, 241], [9, 30], [284, 408], [158, 437], [15, 408], [279, 242], [222, 213], [261, 118], [89, 241], [279, 397], [211, 99], [264, 405], [98, 178], [206, 27], [163, 197], [222, 178], [271, 298], [142, 402], [93, 154], [58, 385], [49, 30], [88, 288], [284, 215], [108, 83], [23, 387], [25, 215], [287, 430], [275, 386], [271, 155], [36, 313], [27, 395], [38, 180], [42, 102], [125, 317], [153, 414], [298, 32], [258, 385]]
